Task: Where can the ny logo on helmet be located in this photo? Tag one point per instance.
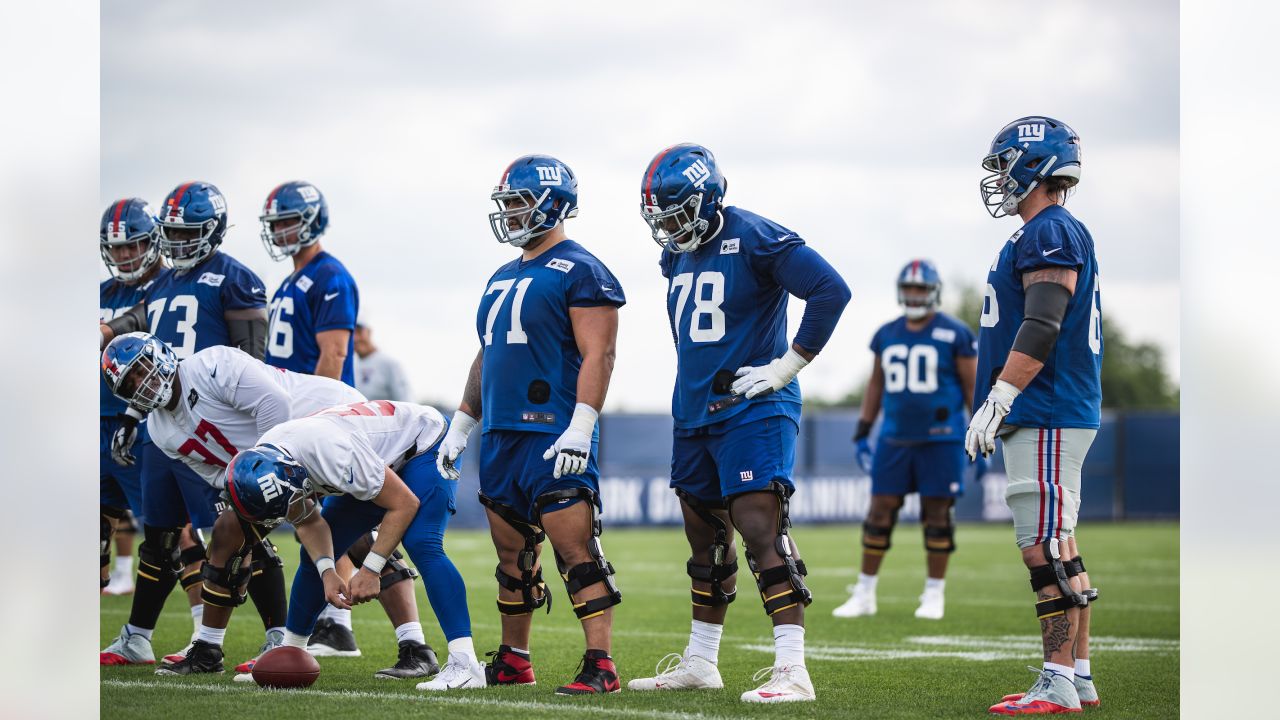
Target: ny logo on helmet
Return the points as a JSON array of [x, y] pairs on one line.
[[549, 175], [308, 193], [270, 486], [1031, 133], [697, 173]]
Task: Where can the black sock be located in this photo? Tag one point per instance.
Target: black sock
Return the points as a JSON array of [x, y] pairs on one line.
[[266, 589]]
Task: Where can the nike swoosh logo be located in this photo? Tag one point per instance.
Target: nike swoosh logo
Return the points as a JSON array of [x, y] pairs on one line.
[[330, 296], [1047, 253], [351, 476], [606, 288], [257, 290], [772, 695], [504, 677], [214, 372]]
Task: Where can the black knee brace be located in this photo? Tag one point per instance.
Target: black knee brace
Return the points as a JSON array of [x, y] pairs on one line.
[[158, 554], [190, 556], [530, 577], [876, 538], [791, 570], [396, 570], [718, 571], [1055, 573], [230, 578], [106, 528], [940, 539], [1075, 567], [584, 575]]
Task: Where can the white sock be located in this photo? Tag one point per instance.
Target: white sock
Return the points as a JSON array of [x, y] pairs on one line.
[[296, 640], [788, 645], [939, 584], [868, 581], [704, 640], [135, 630], [463, 647], [211, 635], [410, 631], [197, 616], [124, 564], [1064, 670], [1082, 668], [340, 616], [522, 651]]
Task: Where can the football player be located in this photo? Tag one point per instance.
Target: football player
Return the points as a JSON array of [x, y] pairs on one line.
[[923, 374], [377, 460], [128, 242], [736, 405], [1040, 389], [547, 325], [207, 299], [377, 373]]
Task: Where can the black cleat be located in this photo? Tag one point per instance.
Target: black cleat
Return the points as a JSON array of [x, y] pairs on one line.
[[203, 657], [329, 639], [598, 676], [417, 660]]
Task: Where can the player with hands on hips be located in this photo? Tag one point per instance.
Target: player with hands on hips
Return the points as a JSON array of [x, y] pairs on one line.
[[1040, 390]]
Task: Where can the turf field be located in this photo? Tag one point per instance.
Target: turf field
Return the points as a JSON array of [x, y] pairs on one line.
[[891, 665]]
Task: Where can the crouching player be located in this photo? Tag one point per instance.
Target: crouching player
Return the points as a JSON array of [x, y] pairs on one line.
[[378, 460]]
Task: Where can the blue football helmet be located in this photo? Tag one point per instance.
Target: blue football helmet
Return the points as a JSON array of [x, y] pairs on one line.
[[263, 484], [139, 369], [129, 223], [193, 222], [919, 274], [681, 192], [294, 200], [536, 193], [1024, 153]]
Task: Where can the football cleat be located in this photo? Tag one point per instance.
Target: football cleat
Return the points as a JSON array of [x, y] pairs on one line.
[[330, 639], [1051, 694], [202, 658], [932, 604], [417, 660], [598, 676], [244, 671], [1084, 688], [786, 683], [128, 649], [861, 602], [458, 674], [177, 657], [119, 583], [681, 672], [508, 667]]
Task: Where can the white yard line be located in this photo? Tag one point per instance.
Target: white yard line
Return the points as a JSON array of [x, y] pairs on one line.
[[975, 648]]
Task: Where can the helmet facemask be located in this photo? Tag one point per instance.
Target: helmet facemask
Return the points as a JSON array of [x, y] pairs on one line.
[[187, 244], [146, 384], [915, 307], [677, 228], [140, 264], [520, 217], [272, 238]]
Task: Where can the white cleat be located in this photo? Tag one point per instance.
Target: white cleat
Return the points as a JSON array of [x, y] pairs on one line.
[[861, 603], [127, 649], [119, 583], [681, 672], [787, 683], [458, 674], [931, 605]]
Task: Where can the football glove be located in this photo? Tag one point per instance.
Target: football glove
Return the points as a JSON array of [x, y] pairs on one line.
[[863, 454], [572, 449], [762, 379], [980, 438], [124, 437], [454, 442]]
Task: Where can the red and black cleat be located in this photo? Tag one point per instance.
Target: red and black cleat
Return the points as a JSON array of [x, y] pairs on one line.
[[598, 676], [508, 667]]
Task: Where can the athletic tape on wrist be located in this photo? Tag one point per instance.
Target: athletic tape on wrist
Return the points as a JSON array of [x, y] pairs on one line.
[[324, 564], [375, 562]]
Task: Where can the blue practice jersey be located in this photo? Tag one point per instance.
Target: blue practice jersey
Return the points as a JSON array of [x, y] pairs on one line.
[[529, 377], [321, 296], [114, 297], [186, 310], [1067, 393], [728, 310], [923, 396]]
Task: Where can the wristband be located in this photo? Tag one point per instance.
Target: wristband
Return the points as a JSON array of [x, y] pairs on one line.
[[374, 562], [864, 429], [324, 564], [463, 423], [584, 419]]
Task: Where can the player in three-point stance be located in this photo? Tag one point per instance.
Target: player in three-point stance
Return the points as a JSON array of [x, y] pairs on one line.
[[128, 239], [313, 316], [923, 375], [207, 299], [1040, 353], [377, 461], [736, 405], [547, 322]]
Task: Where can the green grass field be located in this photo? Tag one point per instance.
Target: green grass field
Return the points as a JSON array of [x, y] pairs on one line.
[[891, 665]]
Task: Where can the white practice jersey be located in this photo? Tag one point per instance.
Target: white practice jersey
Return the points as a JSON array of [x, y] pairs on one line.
[[347, 449], [228, 401], [380, 377]]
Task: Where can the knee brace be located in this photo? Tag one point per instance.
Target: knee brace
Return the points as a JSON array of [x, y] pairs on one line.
[[158, 556], [107, 517], [190, 556], [1076, 567], [718, 571], [876, 538], [530, 577], [940, 539], [396, 570], [584, 575], [230, 578], [1055, 573], [791, 570]]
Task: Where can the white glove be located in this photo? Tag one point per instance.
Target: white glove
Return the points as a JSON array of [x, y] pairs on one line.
[[572, 449], [980, 438], [762, 379], [454, 442], [124, 437]]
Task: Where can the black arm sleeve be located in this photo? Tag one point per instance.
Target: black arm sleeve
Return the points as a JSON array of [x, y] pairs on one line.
[[1046, 306], [250, 335], [133, 320]]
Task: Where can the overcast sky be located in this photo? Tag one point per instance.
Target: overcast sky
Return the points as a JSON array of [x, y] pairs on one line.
[[859, 125]]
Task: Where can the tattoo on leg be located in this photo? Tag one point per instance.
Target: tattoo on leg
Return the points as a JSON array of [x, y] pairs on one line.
[[1055, 631]]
